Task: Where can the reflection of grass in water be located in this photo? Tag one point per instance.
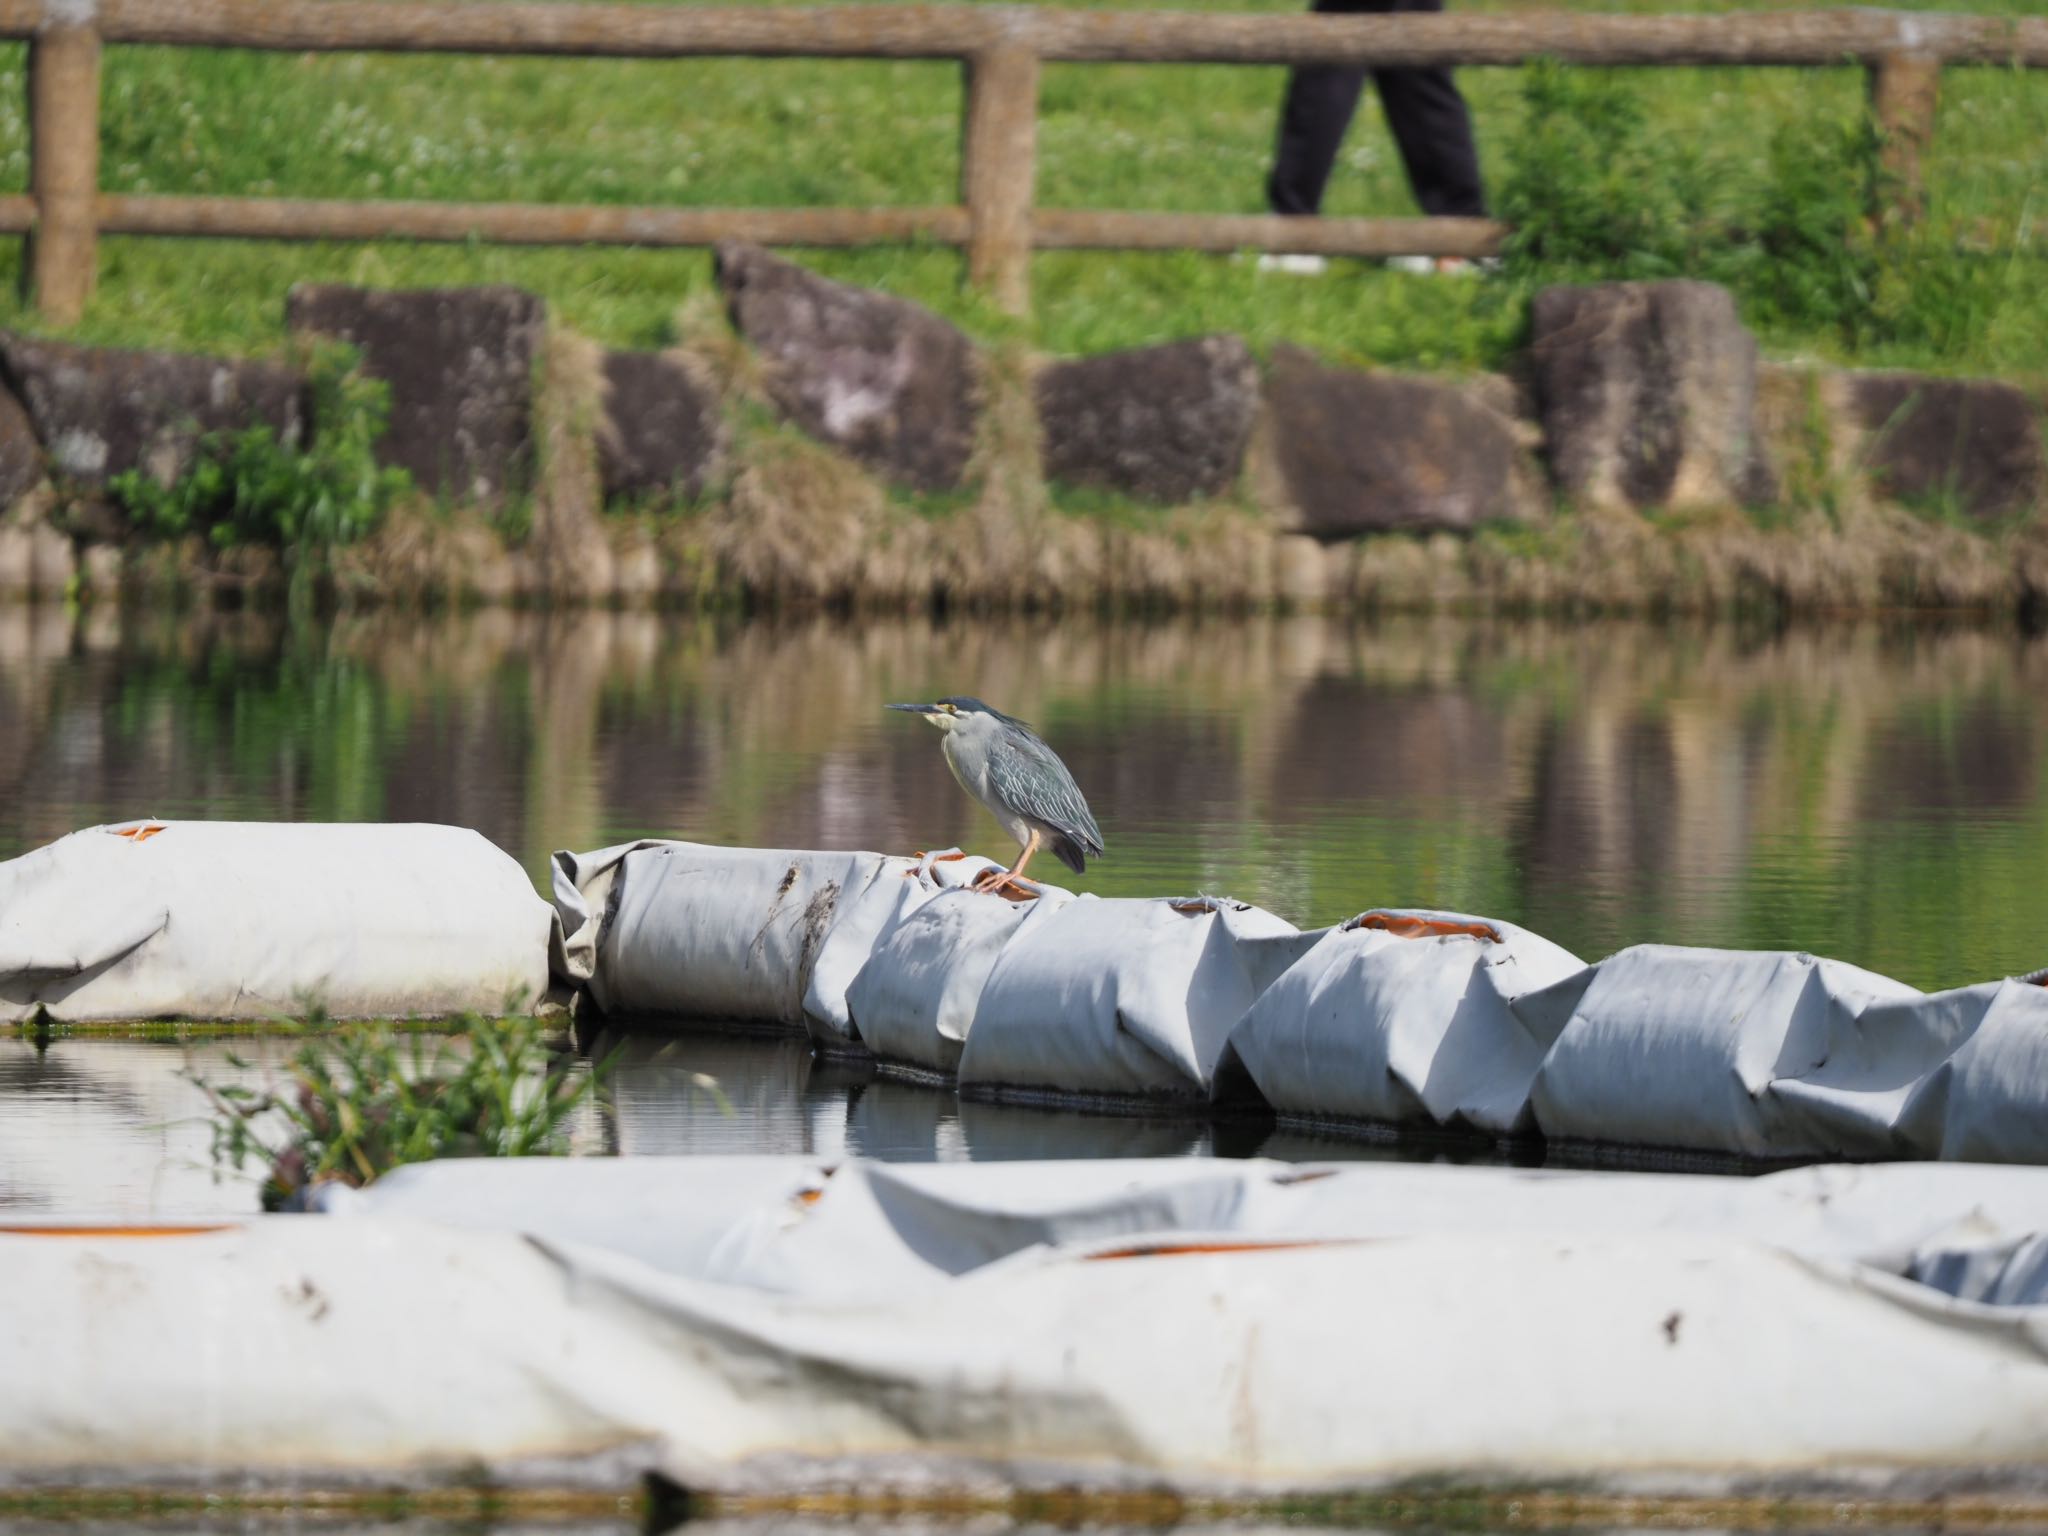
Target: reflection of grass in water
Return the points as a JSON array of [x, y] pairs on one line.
[[417, 1511], [181, 1031], [1678, 782], [1440, 1504]]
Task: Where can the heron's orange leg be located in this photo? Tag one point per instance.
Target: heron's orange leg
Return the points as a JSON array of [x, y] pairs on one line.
[[996, 879]]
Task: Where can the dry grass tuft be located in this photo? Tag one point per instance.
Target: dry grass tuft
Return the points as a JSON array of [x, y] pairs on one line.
[[567, 536]]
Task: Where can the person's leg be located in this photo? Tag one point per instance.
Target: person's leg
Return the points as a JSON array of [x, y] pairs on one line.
[[1320, 102], [1433, 128]]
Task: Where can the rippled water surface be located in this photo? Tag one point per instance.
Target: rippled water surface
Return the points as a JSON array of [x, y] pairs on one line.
[[1875, 793]]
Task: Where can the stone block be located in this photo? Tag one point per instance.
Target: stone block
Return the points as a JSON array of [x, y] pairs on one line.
[[21, 454], [460, 363], [879, 378], [1370, 452], [102, 411], [1647, 396], [1165, 424], [1972, 443], [662, 430]]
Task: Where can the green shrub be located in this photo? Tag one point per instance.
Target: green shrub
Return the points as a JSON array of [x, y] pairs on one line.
[[1589, 190], [1595, 193], [1810, 260], [366, 1098], [246, 487]]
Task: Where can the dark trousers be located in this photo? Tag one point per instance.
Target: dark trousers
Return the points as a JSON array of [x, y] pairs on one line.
[[1424, 110]]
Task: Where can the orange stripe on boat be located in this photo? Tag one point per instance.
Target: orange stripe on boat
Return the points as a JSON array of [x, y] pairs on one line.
[[1404, 925], [183, 1231], [1182, 1250]]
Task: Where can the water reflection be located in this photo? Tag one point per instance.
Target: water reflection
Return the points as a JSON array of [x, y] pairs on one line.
[[313, 1521], [116, 1128], [1880, 794]]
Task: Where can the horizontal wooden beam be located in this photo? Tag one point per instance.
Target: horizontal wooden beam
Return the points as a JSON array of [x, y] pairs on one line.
[[263, 218], [1055, 34], [1777, 38], [17, 214], [257, 218], [1077, 229]]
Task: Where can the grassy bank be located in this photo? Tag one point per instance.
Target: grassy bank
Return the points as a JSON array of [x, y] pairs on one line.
[[1690, 172]]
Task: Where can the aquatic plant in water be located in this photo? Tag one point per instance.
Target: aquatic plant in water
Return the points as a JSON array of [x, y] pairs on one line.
[[365, 1098]]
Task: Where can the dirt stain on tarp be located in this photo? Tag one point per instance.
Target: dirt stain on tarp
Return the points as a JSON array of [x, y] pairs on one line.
[[758, 949], [816, 920]]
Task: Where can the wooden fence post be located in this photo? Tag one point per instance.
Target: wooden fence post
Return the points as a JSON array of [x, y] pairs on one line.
[[64, 164], [1904, 90], [999, 171]]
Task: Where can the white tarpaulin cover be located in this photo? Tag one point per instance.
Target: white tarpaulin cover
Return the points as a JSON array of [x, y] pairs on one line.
[[1405, 1016], [1257, 1328], [243, 920], [915, 998], [748, 935], [1396, 1017], [1123, 997], [1785, 1055], [866, 1231]]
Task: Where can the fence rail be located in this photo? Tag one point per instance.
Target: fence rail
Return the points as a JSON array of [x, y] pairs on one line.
[[1002, 49]]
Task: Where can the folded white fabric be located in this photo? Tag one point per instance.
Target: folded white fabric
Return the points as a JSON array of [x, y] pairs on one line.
[[260, 920], [1404, 1015], [914, 1000], [1785, 1055], [1124, 996]]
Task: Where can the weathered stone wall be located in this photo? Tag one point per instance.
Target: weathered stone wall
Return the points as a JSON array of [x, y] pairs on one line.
[[1266, 484]]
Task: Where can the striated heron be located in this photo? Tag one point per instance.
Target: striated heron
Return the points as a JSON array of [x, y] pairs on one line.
[[1019, 778]]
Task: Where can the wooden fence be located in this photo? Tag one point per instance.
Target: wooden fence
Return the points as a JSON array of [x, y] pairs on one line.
[[1000, 47]]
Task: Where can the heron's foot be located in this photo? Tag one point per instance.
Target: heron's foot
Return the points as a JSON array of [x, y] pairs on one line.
[[1000, 882], [923, 859]]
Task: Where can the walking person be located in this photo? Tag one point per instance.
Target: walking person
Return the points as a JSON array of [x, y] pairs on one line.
[[1427, 116]]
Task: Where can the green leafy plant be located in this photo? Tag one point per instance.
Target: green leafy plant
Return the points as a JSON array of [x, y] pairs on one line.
[[363, 1099], [1595, 192], [247, 487], [1589, 190], [1810, 257]]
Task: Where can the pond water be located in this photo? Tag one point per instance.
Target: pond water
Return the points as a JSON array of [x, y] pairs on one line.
[[119, 1128], [1876, 793]]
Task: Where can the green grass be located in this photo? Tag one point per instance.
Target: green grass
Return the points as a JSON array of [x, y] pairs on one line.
[[748, 132]]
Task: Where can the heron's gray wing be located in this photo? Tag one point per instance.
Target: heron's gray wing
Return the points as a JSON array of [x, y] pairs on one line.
[[1030, 777]]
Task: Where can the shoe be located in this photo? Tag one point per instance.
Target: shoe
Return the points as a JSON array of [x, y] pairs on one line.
[[1293, 263], [1443, 266]]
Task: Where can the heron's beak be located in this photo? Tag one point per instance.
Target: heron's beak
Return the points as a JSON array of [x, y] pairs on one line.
[[915, 709]]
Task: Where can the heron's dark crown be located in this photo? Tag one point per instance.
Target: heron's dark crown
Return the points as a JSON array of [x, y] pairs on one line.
[[971, 706]]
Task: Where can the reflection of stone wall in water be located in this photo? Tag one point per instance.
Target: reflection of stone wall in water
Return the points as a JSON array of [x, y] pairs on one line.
[[834, 445], [1873, 793]]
